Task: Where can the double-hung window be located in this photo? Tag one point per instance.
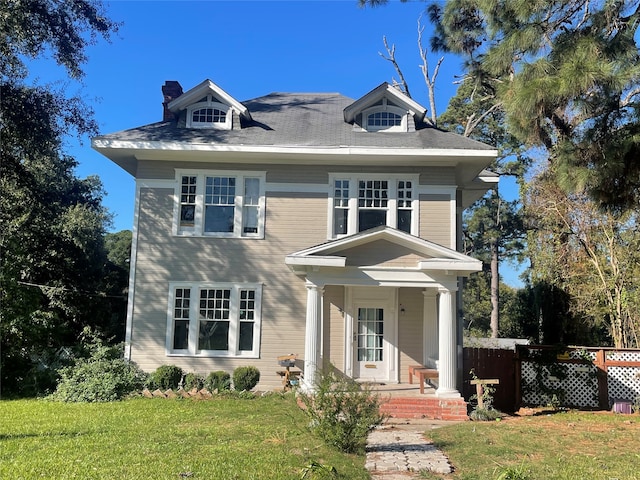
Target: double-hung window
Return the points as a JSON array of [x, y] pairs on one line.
[[219, 320], [220, 204], [361, 202]]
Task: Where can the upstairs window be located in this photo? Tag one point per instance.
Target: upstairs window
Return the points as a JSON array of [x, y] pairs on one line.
[[209, 113], [360, 203], [220, 204]]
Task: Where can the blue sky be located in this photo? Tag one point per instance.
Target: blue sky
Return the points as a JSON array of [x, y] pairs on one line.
[[248, 48]]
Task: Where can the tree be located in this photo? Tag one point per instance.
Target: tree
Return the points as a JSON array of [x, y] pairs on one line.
[[591, 255], [52, 224], [569, 82], [492, 227]]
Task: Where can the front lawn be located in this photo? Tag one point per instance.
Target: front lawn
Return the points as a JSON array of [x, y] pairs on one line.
[[558, 446], [224, 438]]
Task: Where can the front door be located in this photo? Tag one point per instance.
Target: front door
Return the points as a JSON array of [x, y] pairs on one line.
[[373, 333], [369, 349]]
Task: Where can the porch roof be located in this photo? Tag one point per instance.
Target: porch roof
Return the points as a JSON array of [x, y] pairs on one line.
[[382, 254]]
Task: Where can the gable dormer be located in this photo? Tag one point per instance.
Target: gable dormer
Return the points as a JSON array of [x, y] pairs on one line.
[[385, 109], [208, 106]]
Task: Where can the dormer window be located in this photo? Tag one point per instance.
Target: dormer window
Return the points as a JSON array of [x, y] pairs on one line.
[[383, 120], [209, 113], [385, 117]]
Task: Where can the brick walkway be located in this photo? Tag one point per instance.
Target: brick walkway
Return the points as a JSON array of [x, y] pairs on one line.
[[398, 450]]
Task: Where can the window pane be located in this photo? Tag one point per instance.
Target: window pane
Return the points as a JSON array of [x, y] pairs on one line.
[[404, 220], [340, 216], [371, 218], [187, 200], [246, 336], [181, 335], [214, 335], [250, 219], [219, 219]]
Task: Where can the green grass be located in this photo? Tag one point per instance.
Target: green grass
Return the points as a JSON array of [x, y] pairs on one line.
[[560, 446], [224, 438]]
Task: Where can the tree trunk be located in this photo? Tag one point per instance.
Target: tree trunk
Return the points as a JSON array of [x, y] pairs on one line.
[[495, 289]]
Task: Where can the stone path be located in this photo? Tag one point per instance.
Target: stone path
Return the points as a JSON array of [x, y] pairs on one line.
[[399, 451]]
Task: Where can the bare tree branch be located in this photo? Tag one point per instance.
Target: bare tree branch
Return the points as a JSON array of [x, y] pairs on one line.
[[391, 57], [424, 67]]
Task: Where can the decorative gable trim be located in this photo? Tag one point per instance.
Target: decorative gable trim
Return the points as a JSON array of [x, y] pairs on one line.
[[434, 257], [392, 94], [197, 93]]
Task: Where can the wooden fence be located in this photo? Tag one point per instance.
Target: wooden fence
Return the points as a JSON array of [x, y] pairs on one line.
[[492, 363]]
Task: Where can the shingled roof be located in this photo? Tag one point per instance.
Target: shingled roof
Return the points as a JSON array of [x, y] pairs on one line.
[[298, 119]]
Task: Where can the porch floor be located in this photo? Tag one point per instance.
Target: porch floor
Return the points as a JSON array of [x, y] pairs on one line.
[[404, 400]]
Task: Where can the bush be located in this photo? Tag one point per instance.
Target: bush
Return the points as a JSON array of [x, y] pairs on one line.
[[165, 377], [342, 412], [245, 378], [103, 377], [193, 380], [219, 380]]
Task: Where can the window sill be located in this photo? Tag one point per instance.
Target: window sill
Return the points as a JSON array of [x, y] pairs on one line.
[[210, 355]]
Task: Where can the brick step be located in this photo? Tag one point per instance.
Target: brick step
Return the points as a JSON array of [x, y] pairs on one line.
[[435, 408]]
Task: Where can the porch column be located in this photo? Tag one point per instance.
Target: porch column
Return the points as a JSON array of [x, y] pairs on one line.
[[447, 345], [312, 336], [430, 327]]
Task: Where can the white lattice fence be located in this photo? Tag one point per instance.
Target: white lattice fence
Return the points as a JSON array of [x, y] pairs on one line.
[[570, 378], [623, 382]]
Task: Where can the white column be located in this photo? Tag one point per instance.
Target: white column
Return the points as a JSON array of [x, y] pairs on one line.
[[312, 336], [430, 327], [447, 345]]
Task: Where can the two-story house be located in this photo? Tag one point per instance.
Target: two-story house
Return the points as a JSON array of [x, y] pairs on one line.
[[310, 223]]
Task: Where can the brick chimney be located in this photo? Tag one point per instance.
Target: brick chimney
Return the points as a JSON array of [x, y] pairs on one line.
[[170, 91]]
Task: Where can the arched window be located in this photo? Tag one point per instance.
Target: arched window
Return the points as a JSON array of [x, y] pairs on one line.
[[385, 118], [209, 114], [382, 120]]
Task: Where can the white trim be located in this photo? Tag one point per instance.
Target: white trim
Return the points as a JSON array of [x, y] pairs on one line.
[[316, 260], [203, 89], [164, 146], [382, 91], [194, 321], [198, 228], [128, 336]]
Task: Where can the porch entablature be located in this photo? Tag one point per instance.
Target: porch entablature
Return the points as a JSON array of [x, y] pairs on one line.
[[381, 256]]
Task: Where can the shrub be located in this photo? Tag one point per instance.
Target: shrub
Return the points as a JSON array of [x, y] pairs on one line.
[[103, 377], [193, 380], [245, 378], [218, 380], [341, 411], [165, 377]]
